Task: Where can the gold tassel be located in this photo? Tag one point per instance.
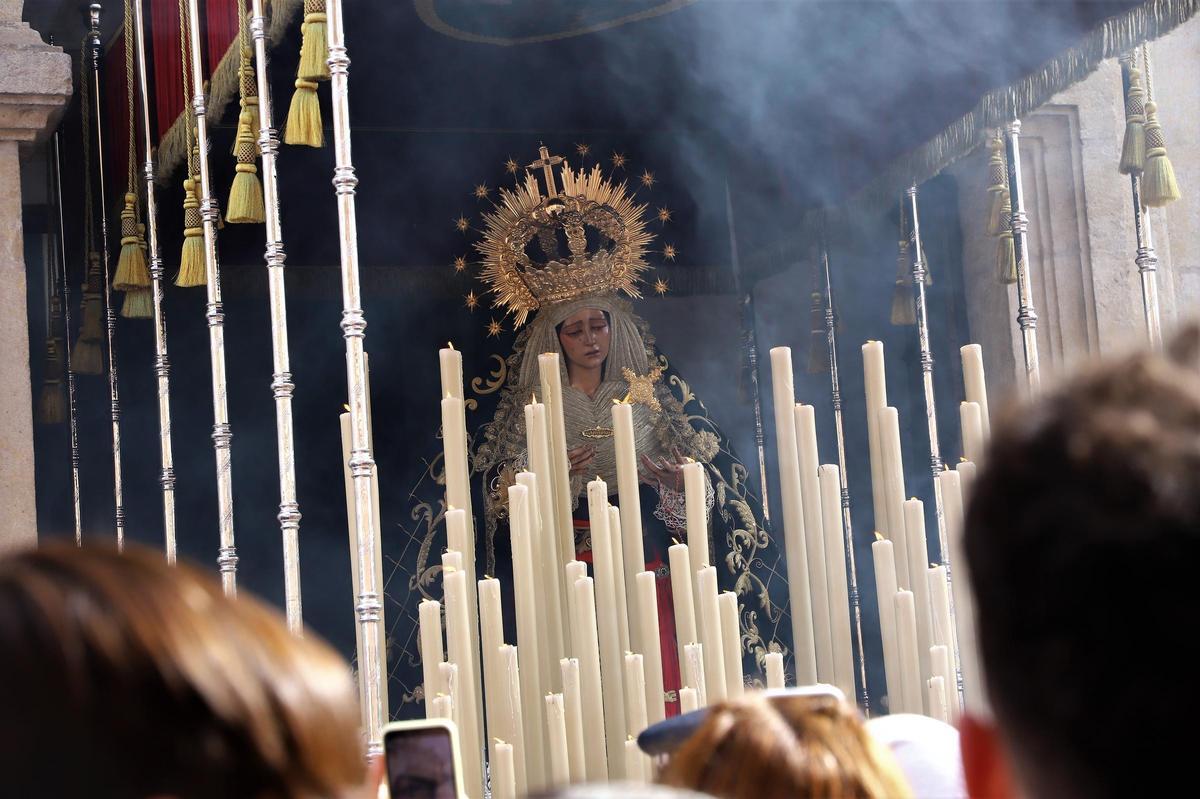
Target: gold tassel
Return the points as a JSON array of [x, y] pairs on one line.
[[1158, 181], [139, 304], [131, 266], [86, 357], [52, 404], [245, 196], [818, 349], [192, 270], [304, 117], [1133, 148], [1006, 253], [314, 49], [904, 302], [997, 185]]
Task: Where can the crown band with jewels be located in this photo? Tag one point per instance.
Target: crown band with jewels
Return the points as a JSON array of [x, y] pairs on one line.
[[588, 203]]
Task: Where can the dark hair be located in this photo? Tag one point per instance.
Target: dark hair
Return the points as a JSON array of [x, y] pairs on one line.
[[121, 676], [1081, 537]]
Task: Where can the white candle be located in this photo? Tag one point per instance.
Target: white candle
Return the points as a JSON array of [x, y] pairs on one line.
[[814, 540], [549, 372], [918, 564], [537, 437], [774, 670], [458, 638], [511, 709], [443, 708], [545, 571], [573, 712], [594, 706], [491, 632], [710, 634], [607, 624], [504, 782], [430, 614], [939, 656], [617, 546], [635, 762], [696, 509], [975, 388], [966, 476], [693, 671], [556, 733], [964, 603], [883, 556], [635, 694], [936, 698], [942, 633], [633, 548], [573, 571], [448, 686], [648, 632], [783, 393], [876, 391], [971, 424], [893, 485], [683, 598], [689, 700], [458, 540], [731, 644], [910, 661], [450, 362], [839, 594], [528, 624]]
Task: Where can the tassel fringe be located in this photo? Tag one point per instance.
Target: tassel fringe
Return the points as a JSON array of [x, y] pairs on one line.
[[1158, 181], [904, 304], [52, 404], [86, 358], [139, 304], [132, 272], [314, 49], [1006, 259], [304, 117]]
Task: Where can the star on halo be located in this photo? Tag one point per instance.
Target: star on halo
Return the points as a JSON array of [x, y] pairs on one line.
[[460, 264], [660, 287], [647, 178], [669, 252], [664, 215], [462, 224], [481, 191], [471, 301], [583, 150], [618, 160], [510, 166]]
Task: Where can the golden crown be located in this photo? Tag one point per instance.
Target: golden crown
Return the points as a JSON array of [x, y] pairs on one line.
[[600, 224]]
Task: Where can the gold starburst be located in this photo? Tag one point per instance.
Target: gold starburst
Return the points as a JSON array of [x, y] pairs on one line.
[[664, 215], [583, 150], [641, 387], [481, 191], [460, 264], [647, 178], [494, 328], [462, 224], [669, 252], [510, 166], [660, 287], [618, 160], [471, 301]]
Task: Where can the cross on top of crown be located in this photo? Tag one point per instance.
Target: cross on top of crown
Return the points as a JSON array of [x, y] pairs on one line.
[[546, 163]]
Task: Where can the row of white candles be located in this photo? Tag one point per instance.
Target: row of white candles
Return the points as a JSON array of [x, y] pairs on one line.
[[589, 664]]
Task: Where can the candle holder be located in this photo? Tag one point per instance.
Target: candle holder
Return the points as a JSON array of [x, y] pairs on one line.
[[65, 287], [222, 434], [835, 390], [95, 52], [1146, 259], [1026, 315], [162, 367], [369, 607], [282, 386]]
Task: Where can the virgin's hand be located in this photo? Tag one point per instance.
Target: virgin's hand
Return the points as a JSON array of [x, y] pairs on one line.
[[580, 458], [662, 471]]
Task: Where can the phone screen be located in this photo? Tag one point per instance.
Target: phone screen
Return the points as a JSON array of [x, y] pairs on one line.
[[420, 763]]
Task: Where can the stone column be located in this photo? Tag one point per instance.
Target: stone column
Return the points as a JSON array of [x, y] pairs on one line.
[[35, 84]]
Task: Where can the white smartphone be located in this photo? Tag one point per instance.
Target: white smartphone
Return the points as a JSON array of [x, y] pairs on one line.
[[423, 760]]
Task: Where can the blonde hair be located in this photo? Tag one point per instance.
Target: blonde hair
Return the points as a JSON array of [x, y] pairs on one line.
[[785, 747], [125, 677]]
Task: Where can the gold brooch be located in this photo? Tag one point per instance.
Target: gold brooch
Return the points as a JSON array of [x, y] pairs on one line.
[[597, 433], [641, 387]]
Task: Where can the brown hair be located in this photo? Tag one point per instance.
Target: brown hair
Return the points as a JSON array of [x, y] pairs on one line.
[[1081, 536], [122, 676], [785, 747]]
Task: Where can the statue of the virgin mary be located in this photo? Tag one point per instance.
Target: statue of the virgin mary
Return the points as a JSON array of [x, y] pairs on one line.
[[558, 252]]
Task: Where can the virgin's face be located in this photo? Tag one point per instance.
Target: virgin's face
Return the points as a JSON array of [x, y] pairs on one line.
[[585, 338]]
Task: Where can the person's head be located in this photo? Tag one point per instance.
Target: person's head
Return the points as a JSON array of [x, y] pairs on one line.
[[784, 747], [122, 676], [1080, 537], [585, 337]]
